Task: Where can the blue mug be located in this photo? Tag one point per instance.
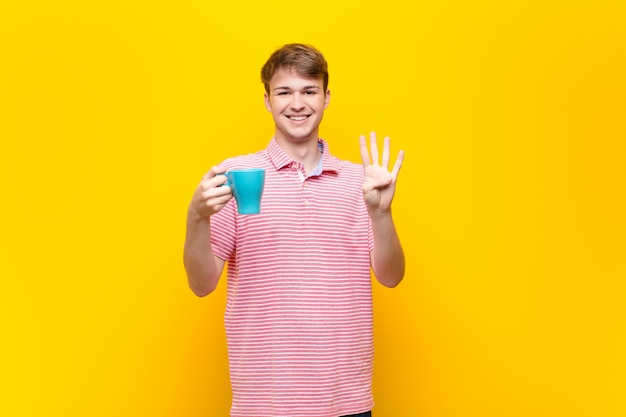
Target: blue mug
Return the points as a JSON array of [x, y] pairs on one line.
[[247, 187]]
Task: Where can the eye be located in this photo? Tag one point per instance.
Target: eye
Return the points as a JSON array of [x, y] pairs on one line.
[[282, 93], [309, 92]]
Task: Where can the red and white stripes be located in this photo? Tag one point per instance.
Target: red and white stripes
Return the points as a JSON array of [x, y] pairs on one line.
[[299, 309]]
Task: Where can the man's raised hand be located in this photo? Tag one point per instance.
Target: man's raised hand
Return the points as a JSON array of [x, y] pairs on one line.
[[379, 185]]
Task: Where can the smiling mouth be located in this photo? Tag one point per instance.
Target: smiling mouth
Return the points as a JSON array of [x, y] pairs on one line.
[[298, 118]]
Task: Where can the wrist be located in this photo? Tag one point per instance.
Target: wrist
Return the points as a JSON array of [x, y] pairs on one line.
[[377, 214], [194, 216]]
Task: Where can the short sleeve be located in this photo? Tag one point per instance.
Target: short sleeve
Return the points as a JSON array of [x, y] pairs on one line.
[[370, 234], [224, 231]]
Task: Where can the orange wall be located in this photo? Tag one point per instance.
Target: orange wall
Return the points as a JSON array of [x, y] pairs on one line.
[[510, 205]]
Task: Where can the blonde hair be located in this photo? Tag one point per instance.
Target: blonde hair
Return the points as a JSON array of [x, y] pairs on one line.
[[306, 60]]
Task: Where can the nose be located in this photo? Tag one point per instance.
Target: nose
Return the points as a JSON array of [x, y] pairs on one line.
[[297, 103]]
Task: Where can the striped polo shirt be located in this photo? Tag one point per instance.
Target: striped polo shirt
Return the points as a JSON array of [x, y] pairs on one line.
[[299, 302]]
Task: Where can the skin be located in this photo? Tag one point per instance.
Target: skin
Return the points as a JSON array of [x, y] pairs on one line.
[[297, 105], [379, 187], [290, 97]]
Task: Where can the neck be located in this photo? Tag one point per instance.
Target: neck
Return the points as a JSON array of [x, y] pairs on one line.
[[307, 152]]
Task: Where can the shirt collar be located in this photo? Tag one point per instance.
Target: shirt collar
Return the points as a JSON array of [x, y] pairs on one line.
[[280, 159]]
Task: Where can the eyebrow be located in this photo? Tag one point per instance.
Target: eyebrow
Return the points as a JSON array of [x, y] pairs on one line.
[[306, 87]]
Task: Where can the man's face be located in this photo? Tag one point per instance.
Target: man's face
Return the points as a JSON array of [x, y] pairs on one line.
[[297, 105]]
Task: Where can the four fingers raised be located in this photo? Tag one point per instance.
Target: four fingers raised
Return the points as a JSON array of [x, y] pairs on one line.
[[373, 151]]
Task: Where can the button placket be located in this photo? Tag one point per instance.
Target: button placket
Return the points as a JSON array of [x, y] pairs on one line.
[[306, 194]]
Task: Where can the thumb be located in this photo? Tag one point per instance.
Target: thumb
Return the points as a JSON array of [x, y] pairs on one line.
[[213, 172], [379, 182]]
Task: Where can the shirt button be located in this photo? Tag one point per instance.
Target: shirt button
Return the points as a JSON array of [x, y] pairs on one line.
[[306, 202]]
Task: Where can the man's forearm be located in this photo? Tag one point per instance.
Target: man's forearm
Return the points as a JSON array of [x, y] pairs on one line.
[[203, 273], [387, 257]]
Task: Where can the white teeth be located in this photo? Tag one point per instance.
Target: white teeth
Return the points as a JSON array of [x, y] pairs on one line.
[[297, 118]]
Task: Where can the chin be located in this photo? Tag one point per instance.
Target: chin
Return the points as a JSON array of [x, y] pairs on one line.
[[299, 136]]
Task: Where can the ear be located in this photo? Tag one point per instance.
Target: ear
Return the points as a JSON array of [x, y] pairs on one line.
[[326, 99], [268, 105]]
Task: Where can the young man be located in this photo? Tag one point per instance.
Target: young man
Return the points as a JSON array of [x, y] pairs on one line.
[[299, 309]]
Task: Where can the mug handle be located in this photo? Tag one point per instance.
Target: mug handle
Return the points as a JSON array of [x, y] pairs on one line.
[[226, 175]]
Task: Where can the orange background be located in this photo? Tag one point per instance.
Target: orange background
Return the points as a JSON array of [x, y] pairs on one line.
[[510, 204]]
